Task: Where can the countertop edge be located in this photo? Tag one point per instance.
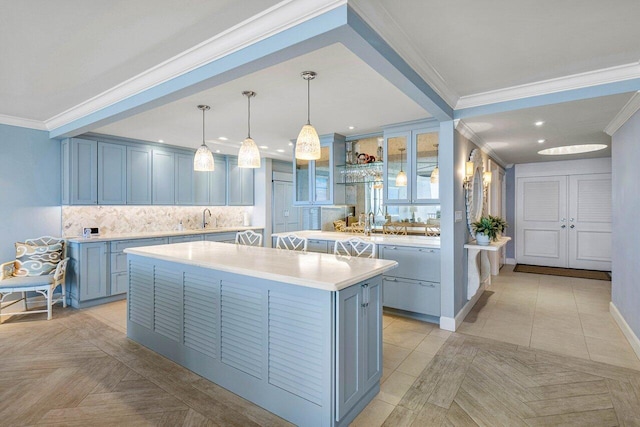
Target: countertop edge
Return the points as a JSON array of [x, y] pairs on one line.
[[154, 234]]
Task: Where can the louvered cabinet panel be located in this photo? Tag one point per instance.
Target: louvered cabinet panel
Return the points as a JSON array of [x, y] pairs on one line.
[[167, 307], [141, 294], [295, 345], [542, 200], [201, 314], [241, 314], [593, 198]]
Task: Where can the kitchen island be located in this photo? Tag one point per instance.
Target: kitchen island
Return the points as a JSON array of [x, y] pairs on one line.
[[299, 334]]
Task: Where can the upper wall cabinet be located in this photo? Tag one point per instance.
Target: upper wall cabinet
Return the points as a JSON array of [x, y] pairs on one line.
[[184, 179], [79, 172], [413, 152], [112, 174], [172, 178], [210, 188], [240, 184], [315, 180], [139, 175]]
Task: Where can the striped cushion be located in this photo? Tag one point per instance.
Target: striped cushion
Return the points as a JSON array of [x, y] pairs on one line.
[[34, 260]]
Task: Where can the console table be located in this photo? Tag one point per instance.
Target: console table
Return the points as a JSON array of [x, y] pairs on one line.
[[478, 265]]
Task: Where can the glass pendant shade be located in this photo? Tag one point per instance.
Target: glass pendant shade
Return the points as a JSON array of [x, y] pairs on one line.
[[249, 155], [435, 175], [308, 144], [401, 179], [203, 159]]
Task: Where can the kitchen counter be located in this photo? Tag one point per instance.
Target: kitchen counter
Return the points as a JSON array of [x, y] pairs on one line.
[[378, 239], [314, 270], [151, 234]]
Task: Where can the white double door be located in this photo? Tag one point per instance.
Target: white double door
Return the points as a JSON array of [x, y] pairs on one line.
[[564, 221]]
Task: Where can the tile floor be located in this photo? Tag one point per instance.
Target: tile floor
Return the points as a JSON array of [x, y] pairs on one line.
[[562, 315]]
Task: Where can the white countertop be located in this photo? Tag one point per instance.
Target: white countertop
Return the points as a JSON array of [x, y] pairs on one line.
[[313, 270], [152, 234], [378, 239]]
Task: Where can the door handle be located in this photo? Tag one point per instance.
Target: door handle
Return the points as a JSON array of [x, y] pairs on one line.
[[572, 226], [563, 226]]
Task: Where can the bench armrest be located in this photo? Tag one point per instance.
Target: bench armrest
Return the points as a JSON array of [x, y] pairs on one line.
[[61, 270]]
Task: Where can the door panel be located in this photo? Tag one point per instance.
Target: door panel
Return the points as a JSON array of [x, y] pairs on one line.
[[541, 212], [590, 222]]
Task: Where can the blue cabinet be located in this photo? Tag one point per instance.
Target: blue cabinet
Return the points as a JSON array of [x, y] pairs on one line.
[[210, 188], [87, 275], [359, 339], [239, 184], [183, 239], [79, 172], [415, 284], [163, 167], [315, 180], [138, 175], [112, 174], [184, 179]]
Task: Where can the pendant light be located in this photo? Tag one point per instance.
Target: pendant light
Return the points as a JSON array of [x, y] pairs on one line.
[[249, 155], [435, 174], [401, 178], [308, 142], [203, 160]]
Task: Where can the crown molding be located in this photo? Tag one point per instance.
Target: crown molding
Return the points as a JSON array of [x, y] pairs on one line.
[[277, 18], [377, 16], [624, 114], [21, 122], [545, 87], [468, 133]]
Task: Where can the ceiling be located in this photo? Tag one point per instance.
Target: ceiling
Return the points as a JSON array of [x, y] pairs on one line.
[[63, 53]]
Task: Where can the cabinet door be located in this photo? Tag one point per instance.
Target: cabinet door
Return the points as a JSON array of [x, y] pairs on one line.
[[349, 347], [163, 178], [112, 174], [414, 263], [322, 176], [66, 171], [247, 177], [395, 162], [84, 172], [240, 184], [416, 296], [184, 179], [218, 182], [119, 283], [372, 323], [425, 159], [93, 271], [302, 172], [201, 188], [138, 175]]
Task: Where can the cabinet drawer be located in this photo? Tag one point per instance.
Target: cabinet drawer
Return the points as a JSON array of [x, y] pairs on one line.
[[414, 263], [412, 295], [321, 246], [119, 262], [119, 283], [221, 237], [182, 239], [121, 245]]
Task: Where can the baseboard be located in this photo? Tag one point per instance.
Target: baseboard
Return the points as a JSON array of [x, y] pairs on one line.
[[452, 323], [626, 329], [510, 261]]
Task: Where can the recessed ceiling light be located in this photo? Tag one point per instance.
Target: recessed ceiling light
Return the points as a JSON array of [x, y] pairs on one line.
[[572, 149], [217, 151], [223, 138], [540, 141], [264, 147], [291, 144], [539, 123], [352, 127], [280, 150], [161, 140]]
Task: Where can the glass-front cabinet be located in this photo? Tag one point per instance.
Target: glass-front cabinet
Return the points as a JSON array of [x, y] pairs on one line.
[[410, 161], [315, 180]]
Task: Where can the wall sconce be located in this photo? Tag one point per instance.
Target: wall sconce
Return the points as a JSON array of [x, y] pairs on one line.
[[486, 178], [468, 174]]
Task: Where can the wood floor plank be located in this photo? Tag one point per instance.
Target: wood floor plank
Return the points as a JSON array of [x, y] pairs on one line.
[[195, 419], [586, 366], [625, 402], [567, 405], [430, 415], [446, 389], [400, 417], [419, 392], [563, 378], [484, 408], [457, 417], [600, 418], [558, 391]]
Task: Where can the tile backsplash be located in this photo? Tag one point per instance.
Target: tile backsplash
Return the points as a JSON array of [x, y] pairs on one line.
[[132, 219]]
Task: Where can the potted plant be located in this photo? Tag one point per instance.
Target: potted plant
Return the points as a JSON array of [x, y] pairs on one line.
[[487, 229]]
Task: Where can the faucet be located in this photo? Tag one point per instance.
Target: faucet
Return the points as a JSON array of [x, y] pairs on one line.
[[368, 226], [204, 217]]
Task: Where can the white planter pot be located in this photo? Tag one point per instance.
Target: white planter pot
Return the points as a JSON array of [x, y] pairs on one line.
[[482, 239]]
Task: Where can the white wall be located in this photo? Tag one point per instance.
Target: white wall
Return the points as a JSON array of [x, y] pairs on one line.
[[29, 187], [625, 154]]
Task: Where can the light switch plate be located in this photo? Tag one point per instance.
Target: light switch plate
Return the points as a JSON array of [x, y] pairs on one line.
[[458, 216]]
